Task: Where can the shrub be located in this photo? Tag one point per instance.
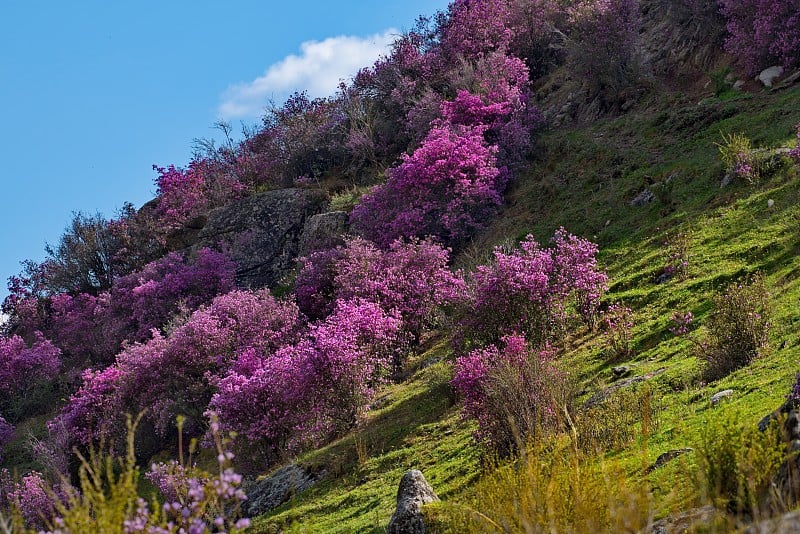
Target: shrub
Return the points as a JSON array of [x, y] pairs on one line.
[[676, 254], [476, 28], [681, 323], [411, 277], [736, 153], [94, 411], [795, 152], [147, 299], [763, 32], [314, 288], [449, 187], [617, 324], [738, 329], [6, 435], [605, 42], [613, 423], [34, 498], [530, 290], [515, 394], [307, 392], [22, 367], [186, 193], [736, 463]]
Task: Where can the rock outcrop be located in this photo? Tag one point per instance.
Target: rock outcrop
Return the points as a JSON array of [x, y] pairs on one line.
[[322, 231], [270, 492], [262, 233], [414, 491]]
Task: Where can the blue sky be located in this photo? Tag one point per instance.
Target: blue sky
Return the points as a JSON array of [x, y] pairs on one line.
[[92, 93]]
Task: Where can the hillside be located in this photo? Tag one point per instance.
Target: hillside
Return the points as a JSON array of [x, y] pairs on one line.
[[283, 296]]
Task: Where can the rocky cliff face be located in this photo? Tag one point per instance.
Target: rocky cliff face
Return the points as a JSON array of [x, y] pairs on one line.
[[262, 233]]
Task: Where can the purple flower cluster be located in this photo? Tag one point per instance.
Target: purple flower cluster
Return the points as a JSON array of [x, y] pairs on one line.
[[22, 366], [530, 290], [617, 325], [411, 277], [449, 187], [763, 32], [681, 323]]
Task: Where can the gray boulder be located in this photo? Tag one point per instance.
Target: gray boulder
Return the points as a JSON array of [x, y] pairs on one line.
[[322, 231], [270, 492], [768, 76], [414, 491], [262, 232], [786, 524], [716, 398]]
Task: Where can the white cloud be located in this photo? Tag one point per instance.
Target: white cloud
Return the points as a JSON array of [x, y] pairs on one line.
[[317, 69]]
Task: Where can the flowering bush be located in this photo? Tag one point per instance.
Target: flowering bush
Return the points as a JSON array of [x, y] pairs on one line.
[[449, 187], [676, 254], [530, 290], [309, 391], [177, 374], [186, 193], [681, 323], [33, 497], [514, 393], [95, 410], [411, 278], [23, 366], [83, 327], [313, 288], [617, 324], [737, 155], [763, 32], [148, 298], [476, 27], [738, 328]]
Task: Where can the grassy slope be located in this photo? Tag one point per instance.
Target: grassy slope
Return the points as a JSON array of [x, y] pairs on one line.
[[584, 180]]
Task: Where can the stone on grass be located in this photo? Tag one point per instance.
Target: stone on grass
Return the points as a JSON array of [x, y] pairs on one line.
[[414, 491]]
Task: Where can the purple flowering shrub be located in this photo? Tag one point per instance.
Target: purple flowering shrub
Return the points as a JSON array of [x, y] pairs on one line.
[[307, 392], [177, 374], [23, 366], [515, 393], [36, 499], [531, 290], [617, 325], [449, 187], [675, 250], [186, 193], [681, 323], [763, 32], [148, 298], [411, 277], [476, 28]]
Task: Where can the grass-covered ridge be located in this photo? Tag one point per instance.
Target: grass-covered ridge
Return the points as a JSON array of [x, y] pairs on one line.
[[584, 179]]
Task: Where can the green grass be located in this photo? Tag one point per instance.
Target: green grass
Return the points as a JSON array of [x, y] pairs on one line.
[[583, 179]]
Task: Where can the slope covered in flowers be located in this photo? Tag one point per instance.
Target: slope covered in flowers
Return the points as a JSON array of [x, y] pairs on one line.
[[446, 137]]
